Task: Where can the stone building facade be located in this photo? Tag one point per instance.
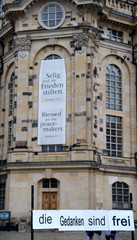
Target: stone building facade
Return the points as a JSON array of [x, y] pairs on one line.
[[96, 166]]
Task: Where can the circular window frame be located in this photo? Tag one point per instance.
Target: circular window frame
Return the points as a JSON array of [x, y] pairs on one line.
[[41, 12]]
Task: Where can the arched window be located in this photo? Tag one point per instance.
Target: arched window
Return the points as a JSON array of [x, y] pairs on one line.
[[11, 93], [11, 109], [113, 88], [52, 57], [120, 196]]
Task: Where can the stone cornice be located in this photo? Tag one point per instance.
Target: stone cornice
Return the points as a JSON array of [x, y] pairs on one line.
[[74, 164], [117, 18], [99, 3], [13, 10], [120, 23]]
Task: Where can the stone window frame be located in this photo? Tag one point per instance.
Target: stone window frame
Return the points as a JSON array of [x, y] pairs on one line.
[[114, 136], [50, 183], [47, 5], [120, 195], [113, 87], [114, 35]]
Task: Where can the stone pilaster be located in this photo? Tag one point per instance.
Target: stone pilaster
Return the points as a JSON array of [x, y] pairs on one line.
[[79, 44], [85, 47], [22, 48]]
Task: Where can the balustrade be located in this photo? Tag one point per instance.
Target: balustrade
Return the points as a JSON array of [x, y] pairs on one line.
[[121, 6]]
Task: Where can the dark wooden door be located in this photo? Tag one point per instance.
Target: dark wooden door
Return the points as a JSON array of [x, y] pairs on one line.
[[49, 200]]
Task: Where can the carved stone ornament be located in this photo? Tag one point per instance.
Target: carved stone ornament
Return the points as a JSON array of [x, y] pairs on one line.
[[52, 41], [22, 44], [94, 36], [94, 40], [79, 40], [23, 54]]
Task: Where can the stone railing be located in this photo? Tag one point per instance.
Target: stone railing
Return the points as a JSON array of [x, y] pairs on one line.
[[121, 6]]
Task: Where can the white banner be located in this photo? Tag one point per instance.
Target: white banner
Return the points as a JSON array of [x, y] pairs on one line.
[[121, 220], [52, 102], [97, 220], [45, 219], [71, 220], [84, 220]]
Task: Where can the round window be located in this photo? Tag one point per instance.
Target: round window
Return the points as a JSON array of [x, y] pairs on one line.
[[51, 15]]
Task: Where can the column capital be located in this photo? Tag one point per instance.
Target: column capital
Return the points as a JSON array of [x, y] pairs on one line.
[[89, 37], [22, 44], [79, 40]]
